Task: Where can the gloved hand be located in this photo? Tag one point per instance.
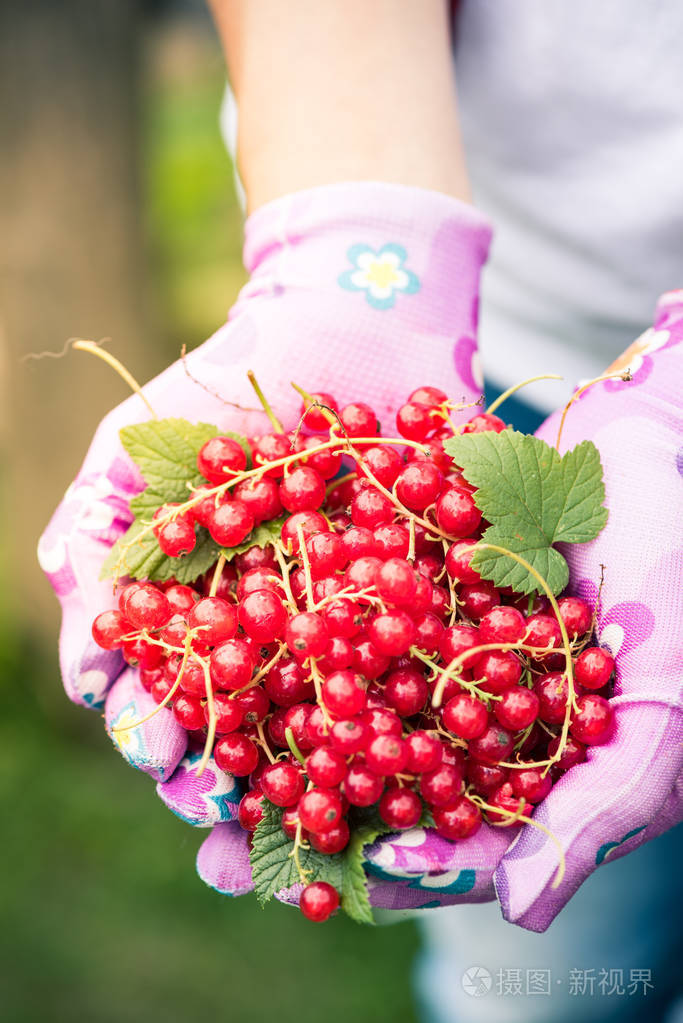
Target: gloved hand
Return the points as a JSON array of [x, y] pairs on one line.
[[630, 790], [367, 290]]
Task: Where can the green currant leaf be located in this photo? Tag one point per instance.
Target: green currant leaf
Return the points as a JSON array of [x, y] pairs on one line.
[[140, 557], [534, 497], [272, 867], [355, 900], [165, 451], [260, 536]]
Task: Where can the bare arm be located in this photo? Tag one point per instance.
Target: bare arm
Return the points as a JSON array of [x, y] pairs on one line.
[[342, 90]]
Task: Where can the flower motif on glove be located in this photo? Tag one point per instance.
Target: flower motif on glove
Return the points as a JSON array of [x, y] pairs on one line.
[[380, 274], [129, 740], [637, 359]]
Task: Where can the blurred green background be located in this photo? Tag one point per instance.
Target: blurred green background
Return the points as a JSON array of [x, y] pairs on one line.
[[119, 218]]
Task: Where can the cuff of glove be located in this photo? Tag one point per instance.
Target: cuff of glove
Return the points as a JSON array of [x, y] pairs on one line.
[[384, 240]]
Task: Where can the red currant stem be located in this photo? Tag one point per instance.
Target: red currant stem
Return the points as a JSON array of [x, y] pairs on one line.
[[263, 742], [274, 421], [410, 556], [291, 742], [524, 736], [453, 740], [209, 390], [317, 683], [211, 731], [624, 375], [569, 667], [306, 565], [369, 594], [283, 563], [94, 349], [169, 694], [218, 572], [311, 402], [518, 816], [516, 387], [298, 844], [451, 589], [451, 671], [337, 482], [260, 674]]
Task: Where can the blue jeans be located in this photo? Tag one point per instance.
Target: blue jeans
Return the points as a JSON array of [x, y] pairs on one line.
[[625, 918]]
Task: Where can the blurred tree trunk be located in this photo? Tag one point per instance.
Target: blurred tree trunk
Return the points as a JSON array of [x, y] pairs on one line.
[[71, 257]]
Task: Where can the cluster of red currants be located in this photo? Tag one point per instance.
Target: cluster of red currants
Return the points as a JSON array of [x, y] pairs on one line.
[[359, 660]]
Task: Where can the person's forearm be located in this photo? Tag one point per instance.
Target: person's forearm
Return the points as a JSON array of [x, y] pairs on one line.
[[342, 90]]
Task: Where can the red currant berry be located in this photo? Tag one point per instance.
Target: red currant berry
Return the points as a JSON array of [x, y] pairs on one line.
[[465, 716], [250, 810], [311, 522], [314, 417], [220, 458], [349, 736], [109, 628], [531, 785], [231, 664], [147, 608], [381, 462], [342, 617], [188, 711], [543, 633], [576, 615], [362, 787], [432, 397], [368, 661], [493, 746], [230, 523], [418, 485], [176, 537], [370, 508], [552, 694], [396, 581], [593, 724], [344, 694], [229, 713], [400, 808], [214, 618], [406, 691], [302, 490], [593, 668], [236, 754], [332, 841], [386, 755], [574, 752], [457, 640], [318, 900], [502, 625], [441, 786], [306, 635], [485, 777], [359, 420], [392, 632], [498, 670], [456, 513], [428, 633], [282, 783], [517, 708], [425, 752], [261, 497], [458, 558], [414, 422], [460, 819], [326, 767], [483, 423], [263, 616], [320, 810]]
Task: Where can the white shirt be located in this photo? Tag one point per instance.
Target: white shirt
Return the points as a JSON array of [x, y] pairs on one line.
[[572, 118]]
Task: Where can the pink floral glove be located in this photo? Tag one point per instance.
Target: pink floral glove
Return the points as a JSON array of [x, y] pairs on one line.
[[630, 790], [366, 289]]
